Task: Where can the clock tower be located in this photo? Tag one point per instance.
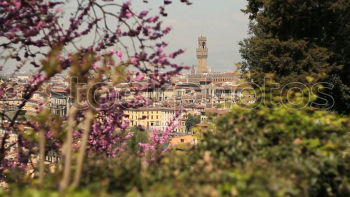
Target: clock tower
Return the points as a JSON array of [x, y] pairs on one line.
[[202, 55]]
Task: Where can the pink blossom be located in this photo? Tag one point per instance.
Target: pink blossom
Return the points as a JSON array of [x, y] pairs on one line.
[[176, 53], [148, 102], [41, 102], [18, 5], [95, 66], [102, 138], [129, 135], [124, 125], [129, 14], [125, 10], [153, 19], [58, 10], [40, 25], [143, 13], [139, 76], [133, 60], [118, 32], [112, 51], [120, 55], [167, 30], [2, 92]]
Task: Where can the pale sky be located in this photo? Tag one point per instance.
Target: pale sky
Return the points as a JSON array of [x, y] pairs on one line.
[[221, 21]]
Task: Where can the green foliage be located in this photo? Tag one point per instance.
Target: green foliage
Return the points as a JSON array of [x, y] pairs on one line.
[[32, 192], [267, 151], [270, 150], [192, 121], [295, 39], [278, 151], [140, 136]]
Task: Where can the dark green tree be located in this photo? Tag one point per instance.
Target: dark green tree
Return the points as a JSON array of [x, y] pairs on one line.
[[192, 121], [140, 136], [294, 39]]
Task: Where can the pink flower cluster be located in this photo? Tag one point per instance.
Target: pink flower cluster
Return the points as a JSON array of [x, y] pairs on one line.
[[159, 139], [35, 27]]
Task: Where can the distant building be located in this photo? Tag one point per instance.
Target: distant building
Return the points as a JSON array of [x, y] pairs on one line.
[[59, 102], [213, 77], [202, 55], [202, 73], [183, 140], [152, 118]]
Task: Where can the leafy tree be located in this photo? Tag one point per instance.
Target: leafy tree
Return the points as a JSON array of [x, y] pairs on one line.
[[139, 136], [295, 39], [270, 150], [192, 121]]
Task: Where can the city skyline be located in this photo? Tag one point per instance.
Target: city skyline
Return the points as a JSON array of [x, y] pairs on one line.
[[224, 26], [189, 22]]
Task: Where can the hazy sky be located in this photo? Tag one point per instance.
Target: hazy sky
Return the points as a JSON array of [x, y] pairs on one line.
[[220, 20]]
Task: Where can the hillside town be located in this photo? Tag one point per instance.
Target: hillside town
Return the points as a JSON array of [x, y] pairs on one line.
[[200, 93], [243, 98]]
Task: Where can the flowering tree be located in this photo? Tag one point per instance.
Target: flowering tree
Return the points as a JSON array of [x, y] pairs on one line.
[[97, 41]]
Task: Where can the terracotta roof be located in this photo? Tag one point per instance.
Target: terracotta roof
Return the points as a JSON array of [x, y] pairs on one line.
[[59, 90], [216, 111], [153, 109]]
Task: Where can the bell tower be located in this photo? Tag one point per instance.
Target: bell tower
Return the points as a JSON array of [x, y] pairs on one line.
[[202, 55]]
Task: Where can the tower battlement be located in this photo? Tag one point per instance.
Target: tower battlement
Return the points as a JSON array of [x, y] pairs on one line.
[[202, 55]]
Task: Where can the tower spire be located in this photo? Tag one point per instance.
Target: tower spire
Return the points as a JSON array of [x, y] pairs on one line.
[[202, 54]]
